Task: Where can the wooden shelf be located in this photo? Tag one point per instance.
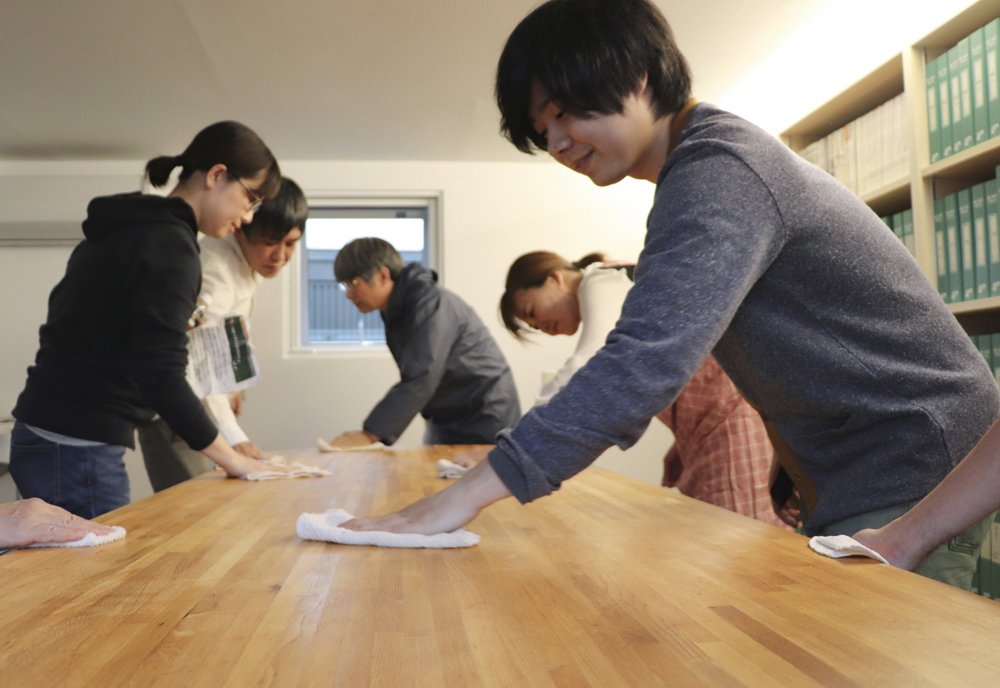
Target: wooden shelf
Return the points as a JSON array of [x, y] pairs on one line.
[[889, 198], [948, 34], [976, 164], [981, 316], [905, 73], [879, 86]]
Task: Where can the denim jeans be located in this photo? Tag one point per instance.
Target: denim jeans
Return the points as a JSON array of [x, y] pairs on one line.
[[86, 481]]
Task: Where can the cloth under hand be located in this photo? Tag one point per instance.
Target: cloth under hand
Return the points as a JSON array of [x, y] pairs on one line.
[[325, 527], [325, 446], [448, 469], [301, 471], [88, 540], [837, 546]]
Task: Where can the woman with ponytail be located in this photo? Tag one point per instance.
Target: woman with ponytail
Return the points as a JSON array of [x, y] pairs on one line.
[[721, 453], [113, 349]]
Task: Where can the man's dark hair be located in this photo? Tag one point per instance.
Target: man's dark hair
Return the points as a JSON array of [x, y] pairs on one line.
[[277, 216], [364, 257], [588, 55]]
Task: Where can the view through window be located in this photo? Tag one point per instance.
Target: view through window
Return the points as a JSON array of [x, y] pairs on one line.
[[328, 317]]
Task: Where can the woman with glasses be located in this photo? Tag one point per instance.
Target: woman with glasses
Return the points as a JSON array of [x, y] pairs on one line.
[[113, 349]]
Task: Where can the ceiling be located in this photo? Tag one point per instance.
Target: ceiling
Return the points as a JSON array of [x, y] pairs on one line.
[[318, 79]]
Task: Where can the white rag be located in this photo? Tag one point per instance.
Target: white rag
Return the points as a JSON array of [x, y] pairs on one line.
[[325, 446], [325, 527], [301, 471], [837, 546], [88, 540], [448, 469]]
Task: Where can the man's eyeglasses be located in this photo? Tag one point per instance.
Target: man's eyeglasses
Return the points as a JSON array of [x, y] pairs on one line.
[[255, 200], [351, 284]]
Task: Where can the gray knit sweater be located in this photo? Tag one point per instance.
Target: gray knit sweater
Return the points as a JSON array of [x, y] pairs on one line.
[[808, 302]]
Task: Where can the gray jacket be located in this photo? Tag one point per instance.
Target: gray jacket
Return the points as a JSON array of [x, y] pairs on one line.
[[451, 370], [808, 302]]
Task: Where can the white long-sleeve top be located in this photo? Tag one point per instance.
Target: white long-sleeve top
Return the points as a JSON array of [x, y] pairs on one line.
[[602, 293], [227, 277]]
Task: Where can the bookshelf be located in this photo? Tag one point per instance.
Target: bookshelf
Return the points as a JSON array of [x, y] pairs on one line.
[[904, 73]]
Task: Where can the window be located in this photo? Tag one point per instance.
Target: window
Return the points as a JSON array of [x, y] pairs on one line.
[[326, 317]]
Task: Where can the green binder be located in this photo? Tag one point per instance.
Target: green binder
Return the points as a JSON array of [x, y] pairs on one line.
[[955, 93], [897, 226], [941, 251], [944, 106], [996, 356], [930, 71], [985, 344], [977, 63], [991, 53], [979, 232], [968, 244], [909, 238], [954, 247], [993, 234], [965, 84]]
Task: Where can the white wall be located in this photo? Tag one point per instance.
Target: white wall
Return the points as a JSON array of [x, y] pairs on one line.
[[492, 213]]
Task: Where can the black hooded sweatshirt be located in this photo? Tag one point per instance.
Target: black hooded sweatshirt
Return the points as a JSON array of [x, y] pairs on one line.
[[451, 369], [114, 345]]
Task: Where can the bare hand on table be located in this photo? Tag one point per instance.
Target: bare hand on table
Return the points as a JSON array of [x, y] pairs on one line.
[[444, 511], [789, 512], [470, 457], [249, 449], [357, 438], [879, 541], [237, 465], [32, 520]]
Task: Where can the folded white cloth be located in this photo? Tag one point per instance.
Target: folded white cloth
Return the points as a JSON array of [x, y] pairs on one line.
[[301, 471], [837, 546], [325, 527], [448, 469], [325, 446], [88, 540]]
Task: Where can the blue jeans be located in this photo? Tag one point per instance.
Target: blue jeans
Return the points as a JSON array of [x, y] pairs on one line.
[[86, 481]]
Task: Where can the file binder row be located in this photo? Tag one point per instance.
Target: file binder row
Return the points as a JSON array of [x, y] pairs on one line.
[[869, 153], [963, 94], [967, 239], [986, 580], [901, 225]]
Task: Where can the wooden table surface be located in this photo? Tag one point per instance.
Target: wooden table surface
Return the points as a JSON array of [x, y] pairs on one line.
[[609, 582]]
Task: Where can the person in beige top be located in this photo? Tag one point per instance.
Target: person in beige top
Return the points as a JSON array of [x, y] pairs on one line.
[[232, 270]]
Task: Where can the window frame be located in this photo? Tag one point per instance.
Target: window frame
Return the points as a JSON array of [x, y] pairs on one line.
[[431, 201]]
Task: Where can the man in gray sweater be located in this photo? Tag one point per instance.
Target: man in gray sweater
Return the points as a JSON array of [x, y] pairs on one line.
[[451, 370], [813, 308]]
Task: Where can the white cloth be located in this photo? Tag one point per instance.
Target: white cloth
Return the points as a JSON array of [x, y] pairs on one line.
[[449, 469], [325, 446], [602, 293], [324, 527], [301, 471], [228, 279], [837, 546], [88, 540]]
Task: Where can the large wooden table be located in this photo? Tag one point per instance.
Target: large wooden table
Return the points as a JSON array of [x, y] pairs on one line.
[[609, 582]]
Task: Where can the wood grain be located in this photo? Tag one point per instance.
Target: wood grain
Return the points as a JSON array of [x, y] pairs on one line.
[[609, 582]]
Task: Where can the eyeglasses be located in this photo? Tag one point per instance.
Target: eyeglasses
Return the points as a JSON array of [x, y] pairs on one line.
[[351, 284], [255, 200]]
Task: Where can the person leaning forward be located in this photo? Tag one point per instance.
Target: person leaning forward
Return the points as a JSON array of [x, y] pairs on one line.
[[451, 370]]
